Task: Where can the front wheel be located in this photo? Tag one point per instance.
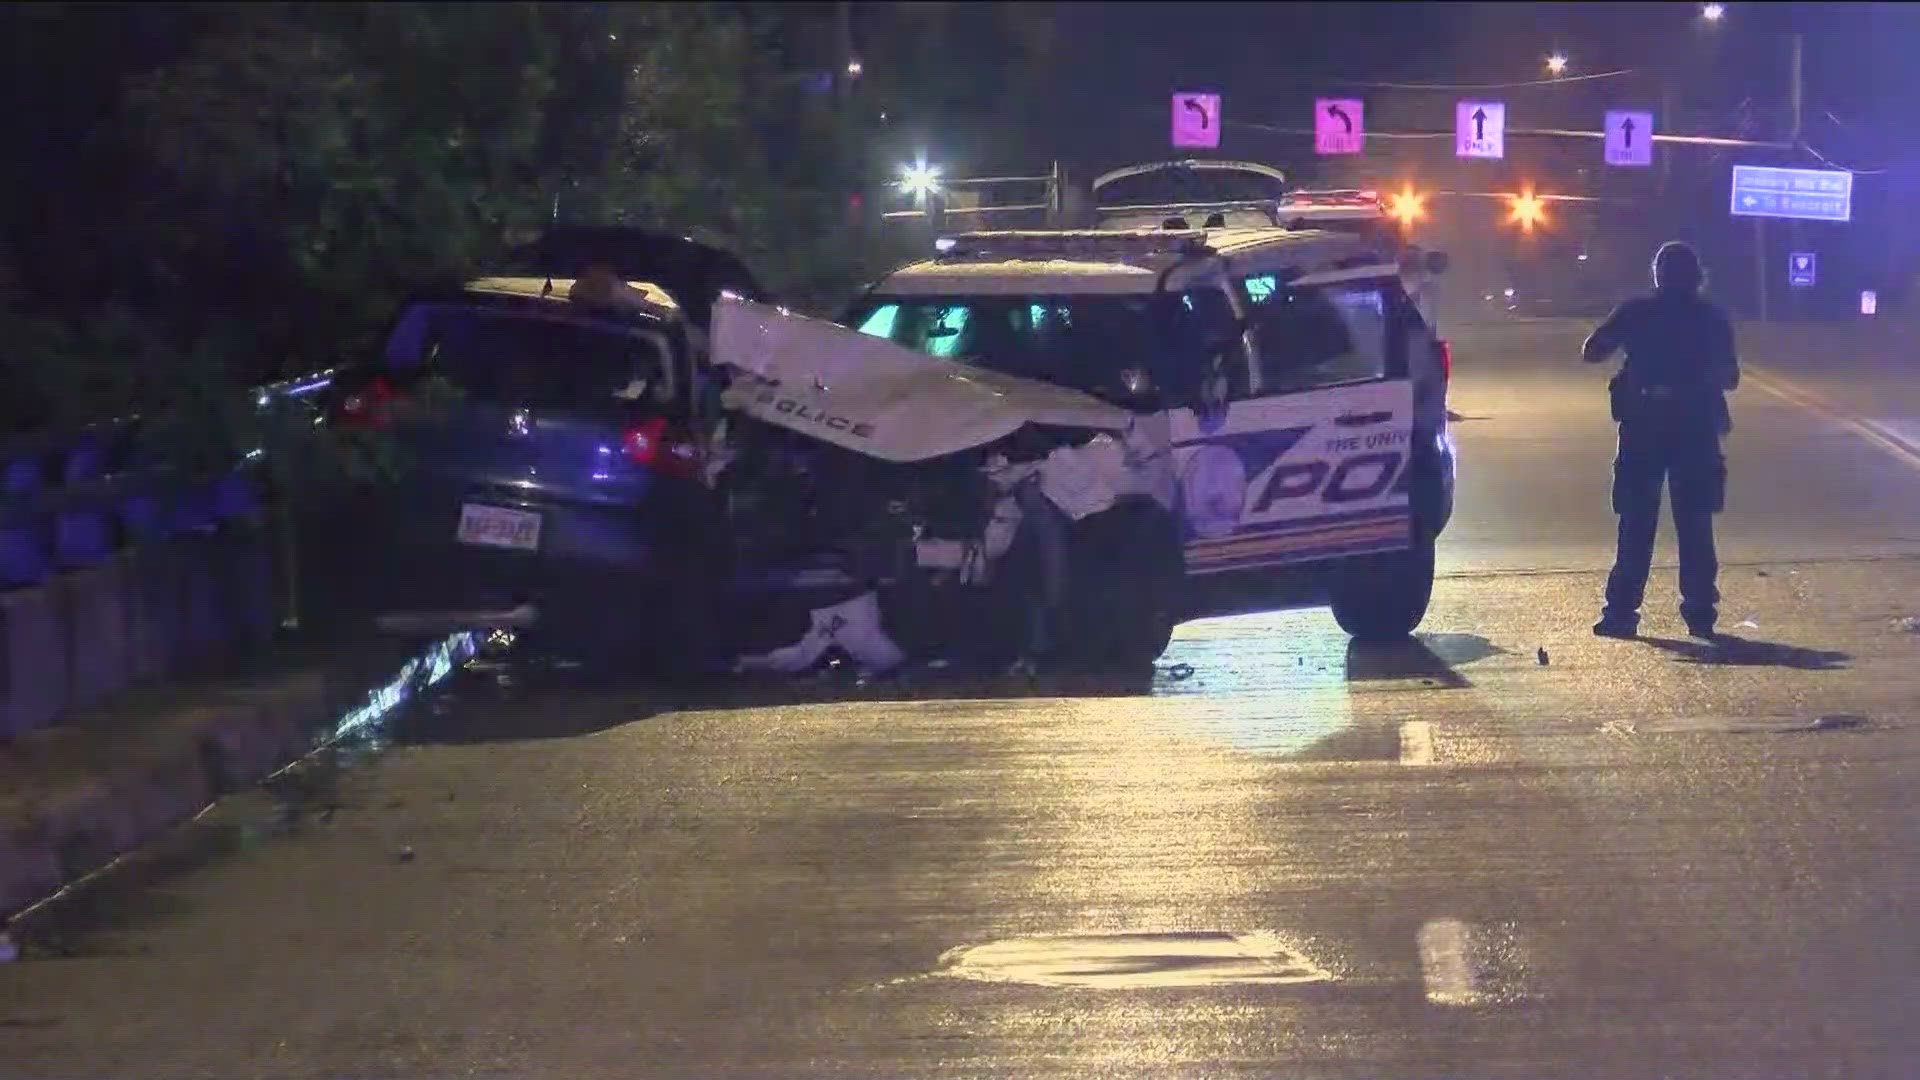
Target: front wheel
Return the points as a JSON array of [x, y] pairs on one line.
[[1384, 597], [1126, 582]]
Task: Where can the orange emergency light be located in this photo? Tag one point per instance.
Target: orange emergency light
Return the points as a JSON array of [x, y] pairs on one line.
[[1408, 206], [1529, 210]]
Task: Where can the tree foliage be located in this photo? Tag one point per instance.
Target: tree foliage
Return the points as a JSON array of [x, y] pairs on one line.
[[249, 188]]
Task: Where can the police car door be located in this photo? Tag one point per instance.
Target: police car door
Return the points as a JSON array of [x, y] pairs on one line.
[[1301, 454]]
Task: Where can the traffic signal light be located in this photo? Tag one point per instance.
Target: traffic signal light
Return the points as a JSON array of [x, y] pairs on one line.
[[1407, 207], [1528, 210]]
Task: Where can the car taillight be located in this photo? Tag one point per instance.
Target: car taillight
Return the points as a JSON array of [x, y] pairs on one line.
[[656, 444], [367, 406], [1446, 361]]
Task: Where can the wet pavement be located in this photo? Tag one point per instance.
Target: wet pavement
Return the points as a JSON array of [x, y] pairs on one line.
[[1506, 849]]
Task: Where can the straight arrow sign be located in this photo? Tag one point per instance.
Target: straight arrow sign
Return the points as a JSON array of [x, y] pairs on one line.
[[1629, 138], [1480, 129]]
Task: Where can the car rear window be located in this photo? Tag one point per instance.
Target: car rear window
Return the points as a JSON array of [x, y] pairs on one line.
[[532, 360]]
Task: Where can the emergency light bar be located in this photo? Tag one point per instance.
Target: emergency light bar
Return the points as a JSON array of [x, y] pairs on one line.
[[1331, 198], [1082, 245]]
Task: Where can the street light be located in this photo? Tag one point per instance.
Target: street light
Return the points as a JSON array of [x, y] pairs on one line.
[[1713, 12], [919, 179], [1557, 63]]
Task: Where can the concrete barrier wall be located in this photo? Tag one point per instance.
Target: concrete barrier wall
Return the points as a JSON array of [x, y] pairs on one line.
[[153, 612]]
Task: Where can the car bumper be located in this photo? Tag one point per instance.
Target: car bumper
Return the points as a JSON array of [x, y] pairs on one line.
[[583, 554]]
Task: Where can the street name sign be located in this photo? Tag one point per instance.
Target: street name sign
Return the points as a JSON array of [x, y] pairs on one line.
[[1798, 194]]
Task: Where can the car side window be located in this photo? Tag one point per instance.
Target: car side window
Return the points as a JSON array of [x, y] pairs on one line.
[[1209, 358], [1315, 336]]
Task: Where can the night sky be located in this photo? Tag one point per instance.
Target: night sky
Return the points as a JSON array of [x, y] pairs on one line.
[[1119, 61]]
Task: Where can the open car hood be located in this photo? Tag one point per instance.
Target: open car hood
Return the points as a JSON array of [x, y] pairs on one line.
[[869, 395]]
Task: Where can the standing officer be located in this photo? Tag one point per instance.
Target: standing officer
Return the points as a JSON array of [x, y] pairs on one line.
[[1669, 399]]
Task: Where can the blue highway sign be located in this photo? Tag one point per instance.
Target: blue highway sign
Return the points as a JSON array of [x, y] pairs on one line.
[[1800, 194]]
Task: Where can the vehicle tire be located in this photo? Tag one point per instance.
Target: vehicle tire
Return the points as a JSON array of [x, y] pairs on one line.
[[1384, 597], [1126, 586]]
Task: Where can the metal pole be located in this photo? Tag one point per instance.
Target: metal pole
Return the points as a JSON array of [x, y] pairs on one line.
[[1795, 100], [1795, 83], [843, 27], [1669, 112]]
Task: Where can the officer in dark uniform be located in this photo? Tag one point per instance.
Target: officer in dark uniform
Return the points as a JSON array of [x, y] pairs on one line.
[[1669, 399]]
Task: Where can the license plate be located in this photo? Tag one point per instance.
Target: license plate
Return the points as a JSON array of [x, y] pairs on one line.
[[497, 526]]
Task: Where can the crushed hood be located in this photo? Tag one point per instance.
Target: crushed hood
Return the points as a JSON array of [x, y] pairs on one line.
[[869, 395]]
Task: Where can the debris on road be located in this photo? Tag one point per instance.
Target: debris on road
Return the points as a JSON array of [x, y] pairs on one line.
[[1541, 656], [1746, 624], [1754, 725], [1910, 624], [405, 854], [853, 625]]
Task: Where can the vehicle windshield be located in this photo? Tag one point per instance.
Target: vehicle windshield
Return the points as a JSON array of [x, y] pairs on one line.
[[1073, 341], [529, 359], [1176, 185]]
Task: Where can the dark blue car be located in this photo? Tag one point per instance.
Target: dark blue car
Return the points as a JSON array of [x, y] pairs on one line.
[[550, 466]]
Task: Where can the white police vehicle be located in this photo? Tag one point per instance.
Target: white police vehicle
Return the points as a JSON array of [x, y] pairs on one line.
[[1222, 194], [1210, 419]]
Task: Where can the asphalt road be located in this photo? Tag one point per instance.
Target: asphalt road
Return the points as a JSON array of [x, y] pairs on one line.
[[1467, 858]]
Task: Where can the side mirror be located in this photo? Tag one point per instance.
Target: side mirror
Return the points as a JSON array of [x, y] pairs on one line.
[[1437, 262]]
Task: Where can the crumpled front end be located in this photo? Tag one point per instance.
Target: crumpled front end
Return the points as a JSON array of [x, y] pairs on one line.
[[855, 466]]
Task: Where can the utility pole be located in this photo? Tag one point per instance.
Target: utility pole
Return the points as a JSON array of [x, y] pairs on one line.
[[1795, 107], [1796, 100], [843, 41]]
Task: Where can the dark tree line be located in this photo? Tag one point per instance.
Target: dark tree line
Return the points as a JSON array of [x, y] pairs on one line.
[[232, 192]]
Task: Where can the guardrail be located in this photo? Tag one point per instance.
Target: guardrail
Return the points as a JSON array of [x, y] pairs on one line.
[[118, 569], [73, 499]]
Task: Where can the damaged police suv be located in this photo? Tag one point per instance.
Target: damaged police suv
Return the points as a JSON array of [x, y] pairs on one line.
[[1064, 443]]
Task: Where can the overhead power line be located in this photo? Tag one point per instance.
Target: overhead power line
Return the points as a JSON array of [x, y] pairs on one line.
[[1490, 86], [1831, 164], [1563, 133]]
